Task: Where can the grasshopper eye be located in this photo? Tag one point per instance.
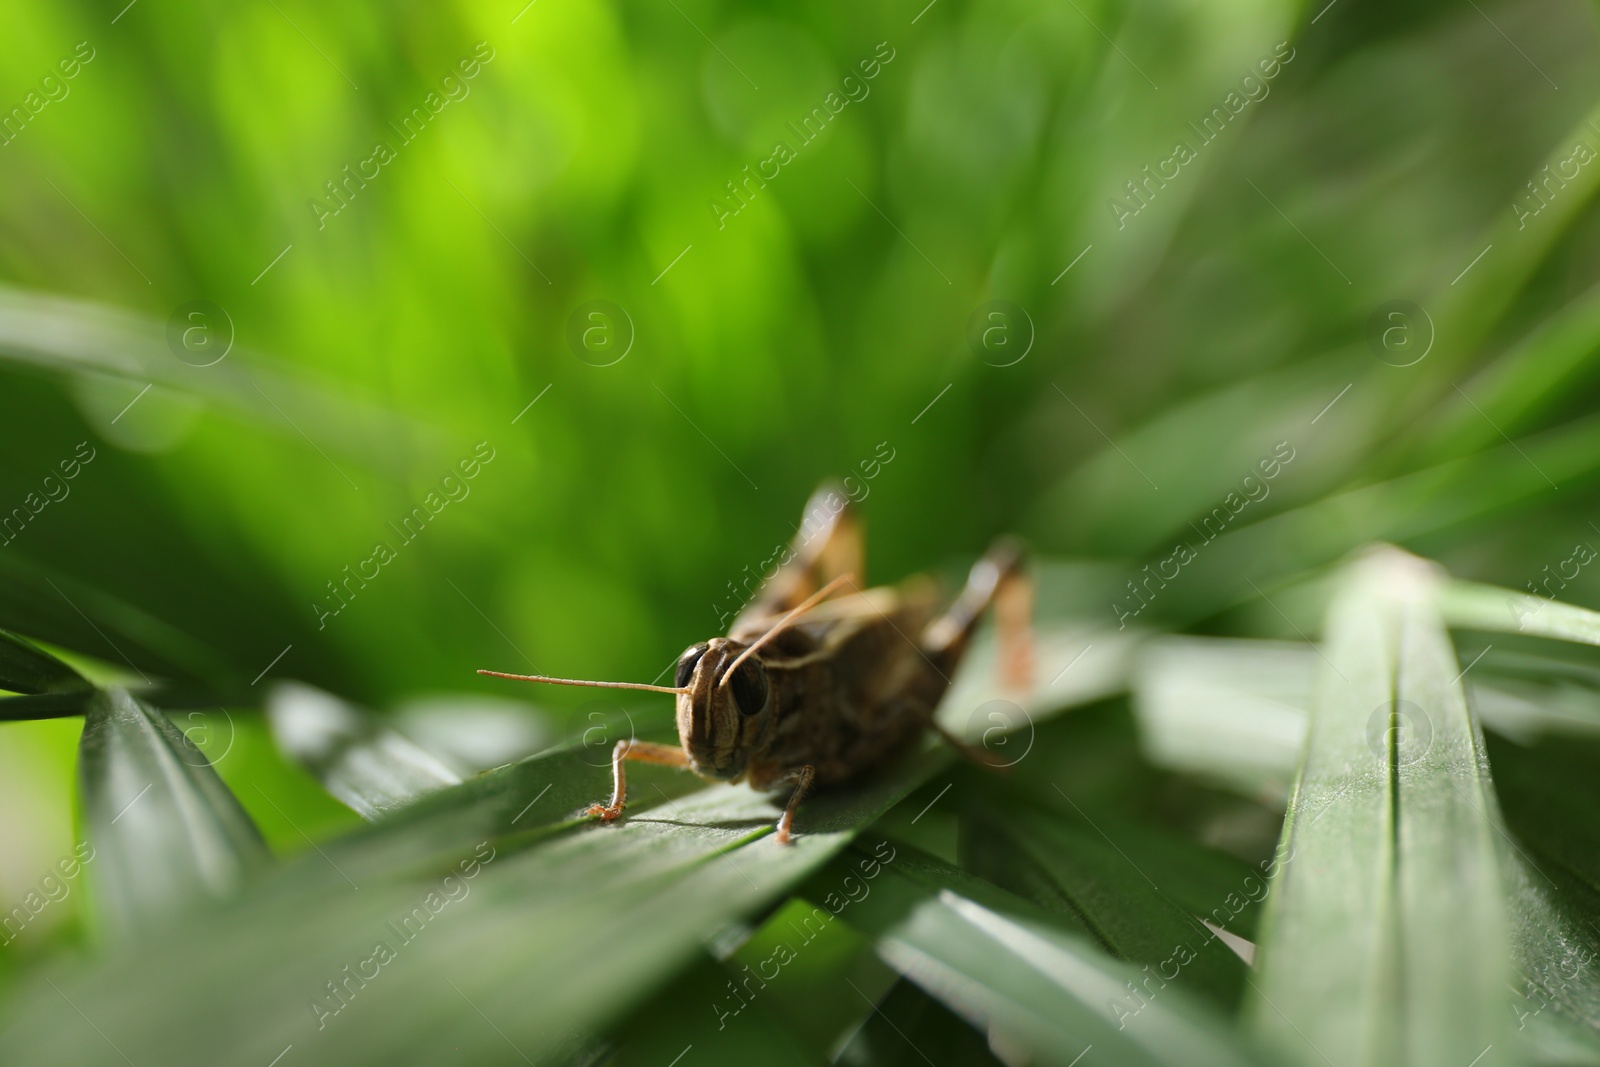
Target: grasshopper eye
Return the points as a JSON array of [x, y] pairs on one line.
[[749, 687], [687, 664]]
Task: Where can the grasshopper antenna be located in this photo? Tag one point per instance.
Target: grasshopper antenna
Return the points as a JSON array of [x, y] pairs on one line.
[[805, 605], [577, 681]]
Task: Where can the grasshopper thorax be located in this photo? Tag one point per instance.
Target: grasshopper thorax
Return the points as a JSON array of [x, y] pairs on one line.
[[723, 718]]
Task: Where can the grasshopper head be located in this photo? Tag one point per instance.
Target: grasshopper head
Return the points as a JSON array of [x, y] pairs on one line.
[[725, 700], [722, 719]]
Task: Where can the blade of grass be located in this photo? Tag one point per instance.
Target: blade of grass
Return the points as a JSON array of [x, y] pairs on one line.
[[817, 976], [1404, 508], [683, 1021], [549, 918], [1225, 709], [1553, 915], [1391, 848], [68, 335], [166, 831], [71, 613], [1236, 711], [360, 760], [527, 938], [1467, 309], [1074, 870], [1548, 793], [45, 705], [27, 668], [1340, 1009], [906, 1021], [1011, 969], [1475, 606], [1533, 377], [1448, 844]]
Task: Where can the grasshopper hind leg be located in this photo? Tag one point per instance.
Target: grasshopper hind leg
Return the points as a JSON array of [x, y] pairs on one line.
[[828, 543], [998, 581]]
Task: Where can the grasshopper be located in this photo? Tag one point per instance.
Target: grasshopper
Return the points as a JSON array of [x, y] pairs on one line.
[[818, 680]]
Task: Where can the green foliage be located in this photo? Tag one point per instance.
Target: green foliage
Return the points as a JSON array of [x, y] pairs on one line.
[[51, 687], [165, 829], [1391, 846], [295, 395]]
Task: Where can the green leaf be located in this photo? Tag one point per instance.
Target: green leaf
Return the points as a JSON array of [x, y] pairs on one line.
[[1077, 870], [45, 705], [817, 976], [359, 759], [1236, 711], [1473, 605], [1042, 991], [70, 335], [908, 1021], [1509, 393], [1194, 692], [684, 1018], [71, 611], [1526, 697], [1437, 500], [1467, 313], [165, 830], [617, 908], [555, 916], [1551, 798], [1225, 709], [551, 917], [27, 668], [792, 991], [1553, 915], [1389, 850]]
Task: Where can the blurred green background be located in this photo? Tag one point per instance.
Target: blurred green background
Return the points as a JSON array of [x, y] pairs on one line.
[[1145, 360]]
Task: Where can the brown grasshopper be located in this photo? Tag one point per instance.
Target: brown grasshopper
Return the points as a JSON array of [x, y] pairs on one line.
[[816, 691]]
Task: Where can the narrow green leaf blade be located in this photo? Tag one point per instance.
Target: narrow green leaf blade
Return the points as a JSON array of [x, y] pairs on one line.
[[1476, 606], [908, 1021], [526, 938], [27, 668], [683, 1017], [1228, 710], [1037, 988], [1236, 711], [565, 908], [166, 830], [360, 760], [1448, 845], [1091, 879], [45, 705], [1390, 849]]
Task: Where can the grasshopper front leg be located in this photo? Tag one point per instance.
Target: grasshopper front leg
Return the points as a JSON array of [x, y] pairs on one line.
[[644, 752], [802, 779]]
